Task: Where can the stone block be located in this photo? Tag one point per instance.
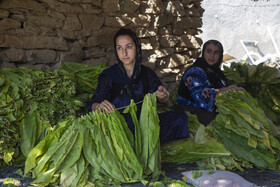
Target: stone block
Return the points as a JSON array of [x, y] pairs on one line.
[[4, 13], [192, 11], [185, 41], [63, 7], [146, 44], [168, 40], [7, 23], [167, 30], [22, 4], [18, 17], [81, 1], [33, 42], [96, 61], [7, 64], [163, 20], [95, 52], [163, 52], [187, 23], [189, 2], [147, 32], [116, 21], [56, 15], [72, 23], [103, 37], [109, 6], [40, 56], [91, 22], [43, 21], [176, 60], [156, 6], [155, 42], [141, 21], [129, 6], [175, 8], [12, 54], [88, 8]]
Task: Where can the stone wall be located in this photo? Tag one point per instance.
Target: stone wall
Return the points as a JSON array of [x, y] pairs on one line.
[[44, 33]]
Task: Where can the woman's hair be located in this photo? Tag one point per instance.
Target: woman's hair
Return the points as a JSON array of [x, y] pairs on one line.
[[216, 43]]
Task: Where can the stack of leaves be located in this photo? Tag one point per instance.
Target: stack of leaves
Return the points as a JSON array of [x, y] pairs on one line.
[[198, 147], [245, 131], [33, 101], [11, 111], [99, 148], [262, 82], [85, 76]]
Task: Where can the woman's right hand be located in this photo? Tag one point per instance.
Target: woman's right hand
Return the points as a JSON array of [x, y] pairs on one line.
[[104, 105], [236, 88]]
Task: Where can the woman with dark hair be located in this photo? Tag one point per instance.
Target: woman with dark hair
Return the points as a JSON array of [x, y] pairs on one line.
[[129, 79], [202, 81]]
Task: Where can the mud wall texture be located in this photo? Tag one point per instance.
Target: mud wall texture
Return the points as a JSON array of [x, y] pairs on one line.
[[44, 33]]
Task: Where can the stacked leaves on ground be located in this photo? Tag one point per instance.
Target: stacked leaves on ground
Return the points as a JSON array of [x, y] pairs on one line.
[[33, 101], [240, 136], [262, 82], [99, 148], [245, 131]]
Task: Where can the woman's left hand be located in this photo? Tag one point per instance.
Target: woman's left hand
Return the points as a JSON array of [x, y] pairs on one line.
[[162, 94]]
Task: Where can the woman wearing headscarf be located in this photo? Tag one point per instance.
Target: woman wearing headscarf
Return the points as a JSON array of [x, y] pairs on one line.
[[202, 81], [129, 79]]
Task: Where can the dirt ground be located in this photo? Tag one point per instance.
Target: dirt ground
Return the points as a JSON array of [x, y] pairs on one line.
[[264, 178]]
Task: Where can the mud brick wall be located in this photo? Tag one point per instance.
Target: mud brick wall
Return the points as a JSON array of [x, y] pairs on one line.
[[44, 33]]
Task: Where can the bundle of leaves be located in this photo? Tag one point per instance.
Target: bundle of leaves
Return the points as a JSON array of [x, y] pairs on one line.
[[262, 82], [98, 148], [240, 136], [85, 76], [11, 111], [245, 131], [32, 102]]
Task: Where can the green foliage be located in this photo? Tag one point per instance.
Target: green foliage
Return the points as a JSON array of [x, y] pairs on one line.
[[98, 148], [33, 101], [245, 131], [262, 82]]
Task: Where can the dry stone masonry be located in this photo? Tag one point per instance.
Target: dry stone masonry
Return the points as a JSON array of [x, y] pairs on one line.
[[44, 33]]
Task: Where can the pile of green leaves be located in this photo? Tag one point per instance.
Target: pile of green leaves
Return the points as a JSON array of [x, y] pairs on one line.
[[245, 131], [262, 82], [240, 136], [11, 106], [99, 148], [200, 148], [85, 76], [33, 101]]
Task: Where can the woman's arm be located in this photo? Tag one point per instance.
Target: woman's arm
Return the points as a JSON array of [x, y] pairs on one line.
[[202, 94], [232, 87]]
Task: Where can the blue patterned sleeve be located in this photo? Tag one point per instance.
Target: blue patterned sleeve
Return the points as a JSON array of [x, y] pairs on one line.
[[196, 81]]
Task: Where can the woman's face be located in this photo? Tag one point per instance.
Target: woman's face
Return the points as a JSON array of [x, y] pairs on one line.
[[126, 50], [212, 54]]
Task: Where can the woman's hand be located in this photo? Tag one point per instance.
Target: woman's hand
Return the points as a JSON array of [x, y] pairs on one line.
[[104, 105], [162, 94]]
